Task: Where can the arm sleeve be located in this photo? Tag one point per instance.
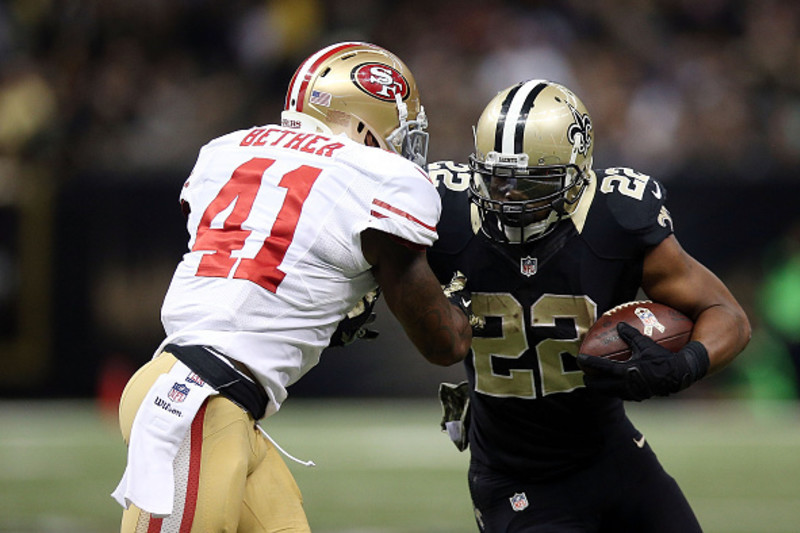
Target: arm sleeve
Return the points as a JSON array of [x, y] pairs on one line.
[[647, 220], [191, 184], [621, 224], [408, 207]]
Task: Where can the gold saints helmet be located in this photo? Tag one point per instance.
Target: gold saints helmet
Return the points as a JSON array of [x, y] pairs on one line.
[[532, 160], [363, 91]]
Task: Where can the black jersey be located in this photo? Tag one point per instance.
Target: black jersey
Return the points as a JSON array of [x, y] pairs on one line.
[[530, 413]]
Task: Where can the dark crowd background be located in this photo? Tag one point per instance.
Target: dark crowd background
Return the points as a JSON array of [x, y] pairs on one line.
[[104, 104]]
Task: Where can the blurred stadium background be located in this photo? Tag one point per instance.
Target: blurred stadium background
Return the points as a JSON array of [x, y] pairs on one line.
[[104, 104]]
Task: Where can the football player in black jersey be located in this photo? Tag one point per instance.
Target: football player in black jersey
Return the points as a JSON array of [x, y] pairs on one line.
[[547, 245]]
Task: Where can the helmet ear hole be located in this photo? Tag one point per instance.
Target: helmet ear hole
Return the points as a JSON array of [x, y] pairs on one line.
[[360, 127], [370, 140]]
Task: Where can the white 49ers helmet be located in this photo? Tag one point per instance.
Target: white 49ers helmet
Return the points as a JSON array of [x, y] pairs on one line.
[[532, 160], [363, 91]]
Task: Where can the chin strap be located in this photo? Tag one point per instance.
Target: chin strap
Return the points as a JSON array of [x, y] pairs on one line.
[[558, 206]]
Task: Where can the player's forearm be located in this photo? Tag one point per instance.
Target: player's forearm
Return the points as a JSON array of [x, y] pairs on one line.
[[673, 277], [724, 330], [439, 330], [441, 333]]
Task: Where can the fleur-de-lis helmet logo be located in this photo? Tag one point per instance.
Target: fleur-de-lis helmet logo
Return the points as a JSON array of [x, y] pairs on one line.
[[578, 132]]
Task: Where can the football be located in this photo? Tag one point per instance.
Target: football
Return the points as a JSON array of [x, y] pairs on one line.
[[666, 326]]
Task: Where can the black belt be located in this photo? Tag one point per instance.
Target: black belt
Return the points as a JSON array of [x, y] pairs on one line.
[[224, 379]]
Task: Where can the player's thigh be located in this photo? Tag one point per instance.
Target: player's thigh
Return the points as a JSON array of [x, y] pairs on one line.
[[226, 456], [509, 505], [651, 501], [134, 520], [272, 501], [210, 472], [137, 388], [244, 484]]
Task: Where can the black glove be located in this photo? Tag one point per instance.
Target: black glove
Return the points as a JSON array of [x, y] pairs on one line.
[[354, 325], [652, 370], [457, 293]]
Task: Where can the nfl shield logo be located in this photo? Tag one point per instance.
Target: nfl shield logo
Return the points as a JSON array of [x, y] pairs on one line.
[[528, 266], [178, 392], [519, 502]]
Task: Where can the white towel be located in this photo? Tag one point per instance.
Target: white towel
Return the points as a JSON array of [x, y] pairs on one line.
[[159, 428]]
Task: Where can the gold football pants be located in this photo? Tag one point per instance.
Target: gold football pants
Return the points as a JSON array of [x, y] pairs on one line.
[[233, 479]]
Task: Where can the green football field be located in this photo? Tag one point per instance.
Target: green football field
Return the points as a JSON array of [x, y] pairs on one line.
[[384, 467]]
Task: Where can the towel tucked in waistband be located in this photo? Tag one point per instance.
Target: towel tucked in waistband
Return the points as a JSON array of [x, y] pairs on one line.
[[158, 430]]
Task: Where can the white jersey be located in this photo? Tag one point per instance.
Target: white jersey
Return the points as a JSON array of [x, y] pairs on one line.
[[275, 256]]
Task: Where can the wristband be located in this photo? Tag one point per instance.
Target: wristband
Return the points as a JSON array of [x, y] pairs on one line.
[[696, 357]]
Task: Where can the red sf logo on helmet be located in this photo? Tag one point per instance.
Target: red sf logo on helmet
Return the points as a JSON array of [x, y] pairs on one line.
[[380, 81]]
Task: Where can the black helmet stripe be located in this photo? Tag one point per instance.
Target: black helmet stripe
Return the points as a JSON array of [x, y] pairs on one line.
[[501, 120], [523, 117], [510, 132]]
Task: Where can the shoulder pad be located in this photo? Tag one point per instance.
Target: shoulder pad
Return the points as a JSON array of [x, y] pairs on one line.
[[456, 226], [406, 205], [628, 213], [634, 198], [449, 176]]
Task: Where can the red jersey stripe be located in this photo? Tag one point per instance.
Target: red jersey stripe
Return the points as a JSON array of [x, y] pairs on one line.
[[425, 174], [403, 214]]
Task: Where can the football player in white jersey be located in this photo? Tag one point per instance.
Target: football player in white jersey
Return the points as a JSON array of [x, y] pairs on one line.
[[290, 227]]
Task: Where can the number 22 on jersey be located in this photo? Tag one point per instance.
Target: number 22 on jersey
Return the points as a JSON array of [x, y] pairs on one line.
[[241, 190], [520, 380]]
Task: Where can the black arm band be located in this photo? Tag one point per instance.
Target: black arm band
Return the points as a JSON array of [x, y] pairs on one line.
[[697, 358]]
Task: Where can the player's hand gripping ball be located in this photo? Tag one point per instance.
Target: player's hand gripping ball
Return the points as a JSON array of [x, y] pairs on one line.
[[667, 327], [641, 349]]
